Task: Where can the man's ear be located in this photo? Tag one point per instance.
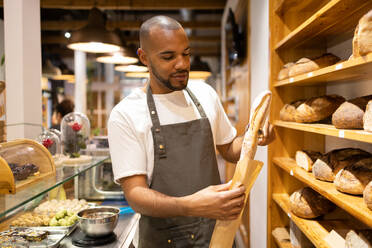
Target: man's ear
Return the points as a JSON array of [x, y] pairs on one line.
[[142, 56]]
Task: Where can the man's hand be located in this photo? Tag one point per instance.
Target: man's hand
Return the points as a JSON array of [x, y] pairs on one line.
[[216, 202], [266, 134]]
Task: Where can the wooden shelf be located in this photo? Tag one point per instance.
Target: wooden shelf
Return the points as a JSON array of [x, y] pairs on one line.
[[338, 17], [283, 240], [355, 69], [352, 204], [330, 130], [314, 231]]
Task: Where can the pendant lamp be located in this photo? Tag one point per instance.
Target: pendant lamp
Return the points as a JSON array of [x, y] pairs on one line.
[[94, 38], [131, 68], [117, 58], [137, 74], [199, 69]]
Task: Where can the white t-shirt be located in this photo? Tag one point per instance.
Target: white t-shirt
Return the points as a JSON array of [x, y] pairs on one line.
[[129, 126]]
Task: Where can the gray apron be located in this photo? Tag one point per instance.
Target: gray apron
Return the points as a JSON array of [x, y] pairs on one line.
[[184, 163]]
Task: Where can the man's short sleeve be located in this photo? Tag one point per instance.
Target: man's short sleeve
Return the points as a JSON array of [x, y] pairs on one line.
[[128, 155], [225, 132]]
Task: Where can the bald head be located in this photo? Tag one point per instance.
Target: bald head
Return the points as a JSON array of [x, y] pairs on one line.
[[162, 22]]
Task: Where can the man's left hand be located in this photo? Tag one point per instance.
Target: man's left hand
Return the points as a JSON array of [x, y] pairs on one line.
[[266, 134]]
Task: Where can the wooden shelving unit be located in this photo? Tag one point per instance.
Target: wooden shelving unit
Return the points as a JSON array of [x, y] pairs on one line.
[[325, 129], [350, 203], [355, 69], [336, 18], [307, 29], [311, 228]]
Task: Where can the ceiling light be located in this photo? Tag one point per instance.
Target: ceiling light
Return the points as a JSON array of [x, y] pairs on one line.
[[68, 35], [117, 58], [131, 68], [94, 38], [199, 69], [49, 70]]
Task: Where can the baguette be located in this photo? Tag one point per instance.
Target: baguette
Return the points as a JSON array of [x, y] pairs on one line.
[[354, 178], [307, 203], [367, 118], [318, 108], [350, 114], [305, 159], [246, 170]]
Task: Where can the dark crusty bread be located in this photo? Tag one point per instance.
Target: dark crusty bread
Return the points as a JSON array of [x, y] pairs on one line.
[[288, 112], [326, 167], [367, 195], [354, 178], [305, 159], [318, 108], [326, 59], [365, 34], [367, 118], [284, 73], [350, 114], [307, 203]]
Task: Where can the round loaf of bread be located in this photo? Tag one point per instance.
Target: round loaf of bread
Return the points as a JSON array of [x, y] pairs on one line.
[[367, 195], [307, 203], [350, 114], [302, 66], [318, 108], [284, 73], [367, 118], [305, 159], [288, 112], [365, 34], [354, 178]]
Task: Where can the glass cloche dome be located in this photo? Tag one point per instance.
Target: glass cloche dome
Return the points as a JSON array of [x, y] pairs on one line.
[[75, 129], [50, 141]]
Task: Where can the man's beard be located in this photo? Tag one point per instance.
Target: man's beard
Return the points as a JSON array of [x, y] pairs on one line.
[[166, 82]]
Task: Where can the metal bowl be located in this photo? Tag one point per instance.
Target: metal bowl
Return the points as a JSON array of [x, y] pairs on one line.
[[98, 221]]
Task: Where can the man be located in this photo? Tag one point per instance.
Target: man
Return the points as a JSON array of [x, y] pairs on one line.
[[162, 143]]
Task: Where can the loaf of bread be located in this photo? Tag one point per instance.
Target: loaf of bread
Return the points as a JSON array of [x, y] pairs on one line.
[[365, 34], [305, 65], [284, 73], [326, 167], [367, 195], [355, 44], [350, 113], [302, 66], [367, 118], [307, 203], [354, 178], [318, 108], [288, 112], [358, 239], [326, 59], [305, 159]]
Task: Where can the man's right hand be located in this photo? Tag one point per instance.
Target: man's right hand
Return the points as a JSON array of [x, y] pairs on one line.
[[216, 202]]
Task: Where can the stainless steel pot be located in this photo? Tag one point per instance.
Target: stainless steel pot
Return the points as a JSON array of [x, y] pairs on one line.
[[98, 221]]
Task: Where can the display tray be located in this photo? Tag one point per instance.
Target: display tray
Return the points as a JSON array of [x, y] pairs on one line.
[[67, 229], [54, 237]]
